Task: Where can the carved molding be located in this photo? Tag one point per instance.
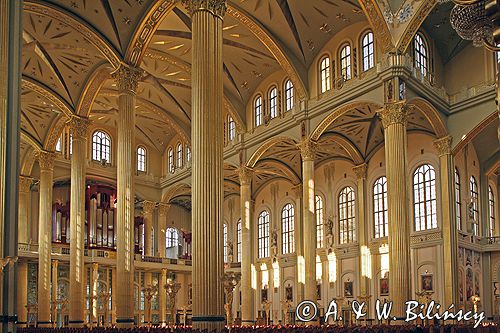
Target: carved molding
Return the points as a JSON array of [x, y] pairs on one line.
[[90, 92], [308, 149], [48, 94], [163, 208], [416, 22], [46, 160], [216, 7], [148, 207], [443, 145], [127, 78], [378, 23], [25, 183], [361, 171], [394, 113]]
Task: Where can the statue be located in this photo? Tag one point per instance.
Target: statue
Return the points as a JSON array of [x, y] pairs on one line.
[[230, 252], [329, 232], [274, 242]]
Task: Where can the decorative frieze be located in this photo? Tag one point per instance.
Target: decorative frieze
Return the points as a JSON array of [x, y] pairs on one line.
[[394, 113], [127, 78], [216, 7]]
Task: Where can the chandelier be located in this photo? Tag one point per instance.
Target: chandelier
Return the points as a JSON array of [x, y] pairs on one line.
[[478, 21]]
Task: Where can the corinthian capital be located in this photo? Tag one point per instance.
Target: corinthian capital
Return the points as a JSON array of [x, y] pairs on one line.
[[46, 160], [307, 149], [127, 78], [148, 206], [443, 145], [25, 183], [163, 208], [216, 7], [394, 113], [360, 171], [245, 174], [79, 127]]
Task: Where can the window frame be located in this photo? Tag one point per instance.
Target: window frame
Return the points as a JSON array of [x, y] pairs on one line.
[[289, 95], [179, 155], [491, 211], [273, 102], [144, 158], [319, 216], [429, 187], [458, 199], [263, 234], [171, 237], [325, 74], [367, 50], [345, 59], [421, 54], [474, 194], [170, 160], [231, 128], [347, 215], [288, 229], [258, 111], [238, 240], [101, 145], [380, 211]]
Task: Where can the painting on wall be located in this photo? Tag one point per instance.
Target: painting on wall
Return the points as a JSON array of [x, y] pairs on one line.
[[263, 295], [427, 283], [289, 293], [384, 286], [318, 291], [348, 289]]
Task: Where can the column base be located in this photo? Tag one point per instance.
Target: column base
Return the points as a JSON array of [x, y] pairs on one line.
[[209, 323]]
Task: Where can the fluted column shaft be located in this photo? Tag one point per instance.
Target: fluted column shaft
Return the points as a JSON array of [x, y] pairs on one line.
[[247, 293], [365, 256], [46, 161], [394, 119], [24, 204], [79, 130], [298, 293], [163, 209], [450, 235], [308, 152], [126, 80], [147, 212], [22, 293], [55, 268], [94, 280], [207, 165]]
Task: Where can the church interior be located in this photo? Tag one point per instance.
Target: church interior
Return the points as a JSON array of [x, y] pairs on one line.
[[203, 164]]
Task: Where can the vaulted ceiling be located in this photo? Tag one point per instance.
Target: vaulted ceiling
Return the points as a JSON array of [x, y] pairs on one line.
[[70, 47]]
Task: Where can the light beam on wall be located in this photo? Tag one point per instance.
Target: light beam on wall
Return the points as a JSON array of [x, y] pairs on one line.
[[332, 267], [311, 195], [276, 274], [254, 277], [366, 262], [301, 270], [319, 269], [265, 276]]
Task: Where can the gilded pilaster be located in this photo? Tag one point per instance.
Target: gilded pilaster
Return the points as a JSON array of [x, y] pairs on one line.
[[394, 118], [127, 80], [365, 268], [53, 305], [24, 208], [147, 213], [163, 209], [308, 152], [207, 144], [22, 293], [163, 296], [450, 234], [46, 162], [79, 131], [247, 293]]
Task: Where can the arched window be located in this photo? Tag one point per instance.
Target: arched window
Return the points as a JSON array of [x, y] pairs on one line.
[[319, 221], [172, 237], [101, 147], [141, 159], [231, 128], [324, 70], [345, 62], [273, 102], [171, 166], [424, 197], [421, 54], [380, 219], [474, 195], [347, 215], [225, 242], [258, 111], [263, 234], [238, 240], [491, 206], [188, 154], [288, 228], [458, 202], [289, 95], [179, 155], [368, 51], [59, 145]]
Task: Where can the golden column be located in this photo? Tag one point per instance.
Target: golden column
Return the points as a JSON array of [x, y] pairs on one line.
[[247, 293], [53, 303], [22, 293], [147, 211], [79, 130], [365, 256], [394, 119], [308, 152], [163, 209], [46, 162], [450, 235], [127, 79], [163, 296], [24, 204], [207, 165]]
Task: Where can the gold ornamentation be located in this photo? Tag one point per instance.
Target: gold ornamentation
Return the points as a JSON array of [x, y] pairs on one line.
[[25, 183], [245, 174], [147, 207], [127, 78], [87, 32], [394, 113], [91, 89], [146, 30], [415, 24], [163, 208], [216, 7], [378, 23], [308, 149], [443, 145], [79, 127], [271, 45], [360, 171], [46, 160], [55, 133], [50, 95]]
